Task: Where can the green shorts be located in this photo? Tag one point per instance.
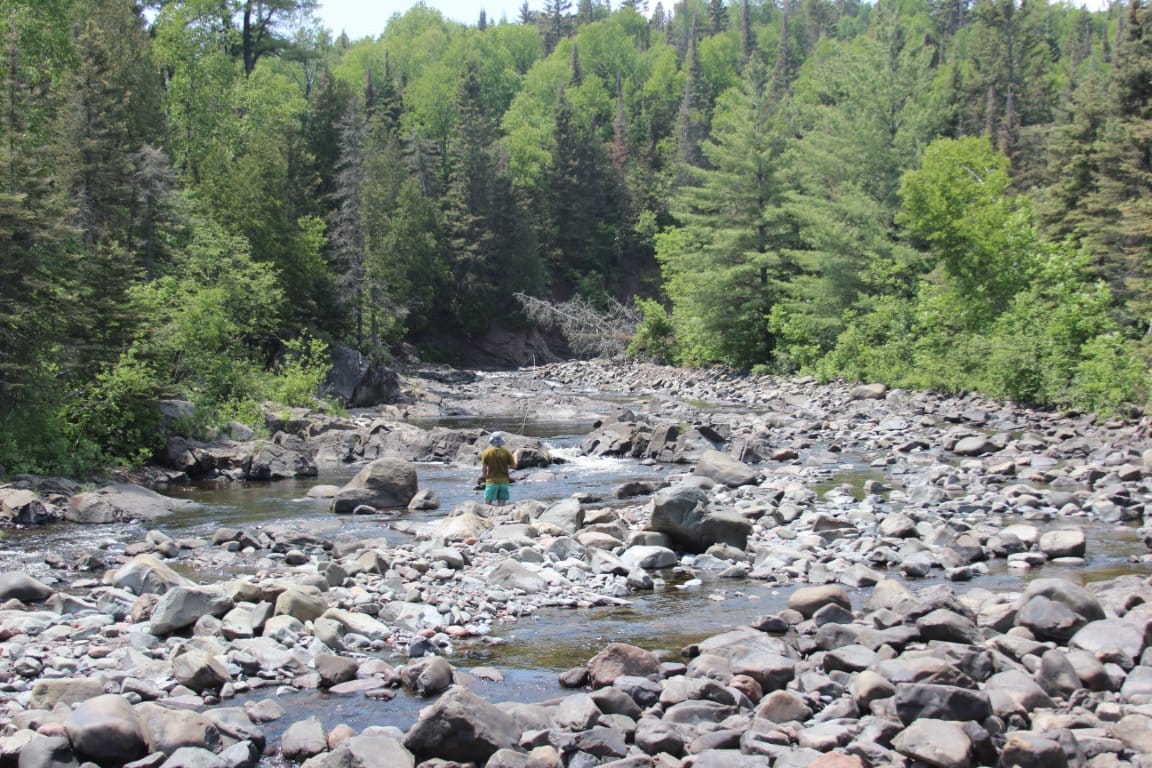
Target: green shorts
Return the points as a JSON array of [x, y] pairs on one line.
[[496, 492]]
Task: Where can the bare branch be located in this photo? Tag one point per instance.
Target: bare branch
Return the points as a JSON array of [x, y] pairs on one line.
[[589, 330]]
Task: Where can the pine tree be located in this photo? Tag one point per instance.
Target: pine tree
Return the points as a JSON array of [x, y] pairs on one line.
[[721, 261], [35, 235]]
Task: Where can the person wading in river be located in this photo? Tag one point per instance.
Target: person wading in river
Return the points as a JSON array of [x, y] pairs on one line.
[[495, 463]]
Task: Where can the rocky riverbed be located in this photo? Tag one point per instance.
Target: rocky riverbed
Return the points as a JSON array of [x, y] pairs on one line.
[[890, 646]]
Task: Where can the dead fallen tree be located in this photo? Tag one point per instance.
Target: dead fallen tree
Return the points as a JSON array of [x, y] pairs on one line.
[[589, 330]]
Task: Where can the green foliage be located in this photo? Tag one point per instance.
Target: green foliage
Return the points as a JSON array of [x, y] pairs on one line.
[[655, 336], [118, 412], [302, 371]]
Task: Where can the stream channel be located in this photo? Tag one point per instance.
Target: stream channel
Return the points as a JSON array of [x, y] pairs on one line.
[[529, 653]]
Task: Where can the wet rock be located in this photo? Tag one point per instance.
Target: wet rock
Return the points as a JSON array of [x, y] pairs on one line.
[[428, 677], [387, 483]]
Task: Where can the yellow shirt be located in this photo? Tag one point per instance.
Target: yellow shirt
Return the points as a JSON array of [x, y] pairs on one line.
[[496, 462]]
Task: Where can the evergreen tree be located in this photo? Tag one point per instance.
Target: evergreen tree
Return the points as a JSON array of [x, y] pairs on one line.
[[34, 230], [721, 261]]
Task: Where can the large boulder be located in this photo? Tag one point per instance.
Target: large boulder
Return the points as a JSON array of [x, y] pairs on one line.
[[358, 381], [106, 730], [181, 607], [24, 507], [683, 514], [20, 586], [726, 470], [123, 501], [461, 726], [146, 574], [283, 457], [386, 483]]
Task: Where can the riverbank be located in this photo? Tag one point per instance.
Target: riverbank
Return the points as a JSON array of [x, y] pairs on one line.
[[884, 650]]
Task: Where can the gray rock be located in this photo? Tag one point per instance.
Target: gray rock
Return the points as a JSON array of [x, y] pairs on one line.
[[576, 713], [566, 514], [938, 743], [649, 557], [1033, 750], [283, 457], [146, 574], [1057, 675], [915, 701], [1048, 619], [302, 602], [180, 607], [334, 669], [461, 726], [303, 739], [783, 707], [808, 600], [977, 445], [105, 730], [46, 752], [387, 483], [123, 501], [48, 692], [683, 513], [358, 381], [1080, 600], [1111, 640], [193, 757], [1065, 542], [199, 671], [20, 586], [619, 659], [24, 507], [726, 470], [510, 574], [166, 729]]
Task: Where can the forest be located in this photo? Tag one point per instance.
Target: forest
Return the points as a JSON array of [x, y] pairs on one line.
[[202, 197]]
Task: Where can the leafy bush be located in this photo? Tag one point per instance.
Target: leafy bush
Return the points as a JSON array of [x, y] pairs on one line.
[[305, 366], [118, 411], [655, 337], [1108, 376]]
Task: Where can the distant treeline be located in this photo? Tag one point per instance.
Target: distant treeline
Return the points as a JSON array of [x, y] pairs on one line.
[[199, 196]]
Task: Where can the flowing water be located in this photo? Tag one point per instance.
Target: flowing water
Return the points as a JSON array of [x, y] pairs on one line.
[[531, 652]]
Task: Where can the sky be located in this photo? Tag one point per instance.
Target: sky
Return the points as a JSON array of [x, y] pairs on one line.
[[367, 18]]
